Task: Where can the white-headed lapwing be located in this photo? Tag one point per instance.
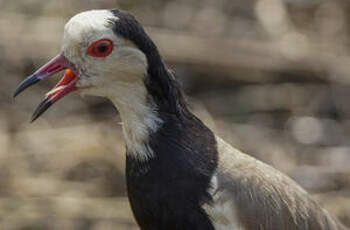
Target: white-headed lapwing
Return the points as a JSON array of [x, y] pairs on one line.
[[180, 175]]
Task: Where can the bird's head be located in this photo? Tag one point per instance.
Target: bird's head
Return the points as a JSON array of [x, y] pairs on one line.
[[100, 48]]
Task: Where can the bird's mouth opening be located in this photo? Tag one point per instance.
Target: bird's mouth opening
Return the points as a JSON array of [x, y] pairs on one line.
[[66, 85]]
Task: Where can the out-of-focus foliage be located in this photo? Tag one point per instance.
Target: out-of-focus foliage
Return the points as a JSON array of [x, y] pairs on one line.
[[273, 75]]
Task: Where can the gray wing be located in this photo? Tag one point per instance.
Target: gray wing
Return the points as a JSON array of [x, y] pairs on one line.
[[250, 195]]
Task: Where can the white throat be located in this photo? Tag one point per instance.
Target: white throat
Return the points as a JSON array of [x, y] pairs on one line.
[[139, 117]]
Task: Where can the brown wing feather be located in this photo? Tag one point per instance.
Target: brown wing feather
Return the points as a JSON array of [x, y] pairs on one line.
[[262, 198]]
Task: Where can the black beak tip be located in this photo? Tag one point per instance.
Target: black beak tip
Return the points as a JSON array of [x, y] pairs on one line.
[[42, 107], [31, 80], [33, 118]]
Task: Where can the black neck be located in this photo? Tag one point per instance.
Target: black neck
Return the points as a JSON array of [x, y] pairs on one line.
[[166, 92], [167, 191]]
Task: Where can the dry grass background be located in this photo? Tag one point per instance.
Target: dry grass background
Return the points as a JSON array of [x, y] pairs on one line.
[[273, 75]]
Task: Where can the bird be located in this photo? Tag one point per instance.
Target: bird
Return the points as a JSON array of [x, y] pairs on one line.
[[180, 175]]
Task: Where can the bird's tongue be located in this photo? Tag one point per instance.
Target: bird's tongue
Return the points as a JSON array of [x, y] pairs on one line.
[[66, 85]]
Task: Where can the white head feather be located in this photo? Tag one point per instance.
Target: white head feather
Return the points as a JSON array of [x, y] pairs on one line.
[[119, 76]]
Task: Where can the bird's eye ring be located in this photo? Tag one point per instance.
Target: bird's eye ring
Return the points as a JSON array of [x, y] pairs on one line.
[[101, 48]]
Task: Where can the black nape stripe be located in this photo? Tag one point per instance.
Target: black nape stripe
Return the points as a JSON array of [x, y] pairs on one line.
[[159, 82], [169, 194]]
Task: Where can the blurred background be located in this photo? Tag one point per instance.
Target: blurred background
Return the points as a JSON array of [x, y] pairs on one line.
[[269, 76]]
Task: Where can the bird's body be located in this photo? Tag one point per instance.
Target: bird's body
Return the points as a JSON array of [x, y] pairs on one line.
[[180, 175]]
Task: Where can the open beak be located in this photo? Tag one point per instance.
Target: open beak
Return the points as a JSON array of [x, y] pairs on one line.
[[66, 85]]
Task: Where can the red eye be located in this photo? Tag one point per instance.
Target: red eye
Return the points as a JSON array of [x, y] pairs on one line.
[[101, 48]]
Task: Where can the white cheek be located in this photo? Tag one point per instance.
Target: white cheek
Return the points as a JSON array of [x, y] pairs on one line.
[[99, 74], [84, 82], [129, 59]]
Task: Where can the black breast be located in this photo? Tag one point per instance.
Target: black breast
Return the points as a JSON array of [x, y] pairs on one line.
[[167, 191]]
